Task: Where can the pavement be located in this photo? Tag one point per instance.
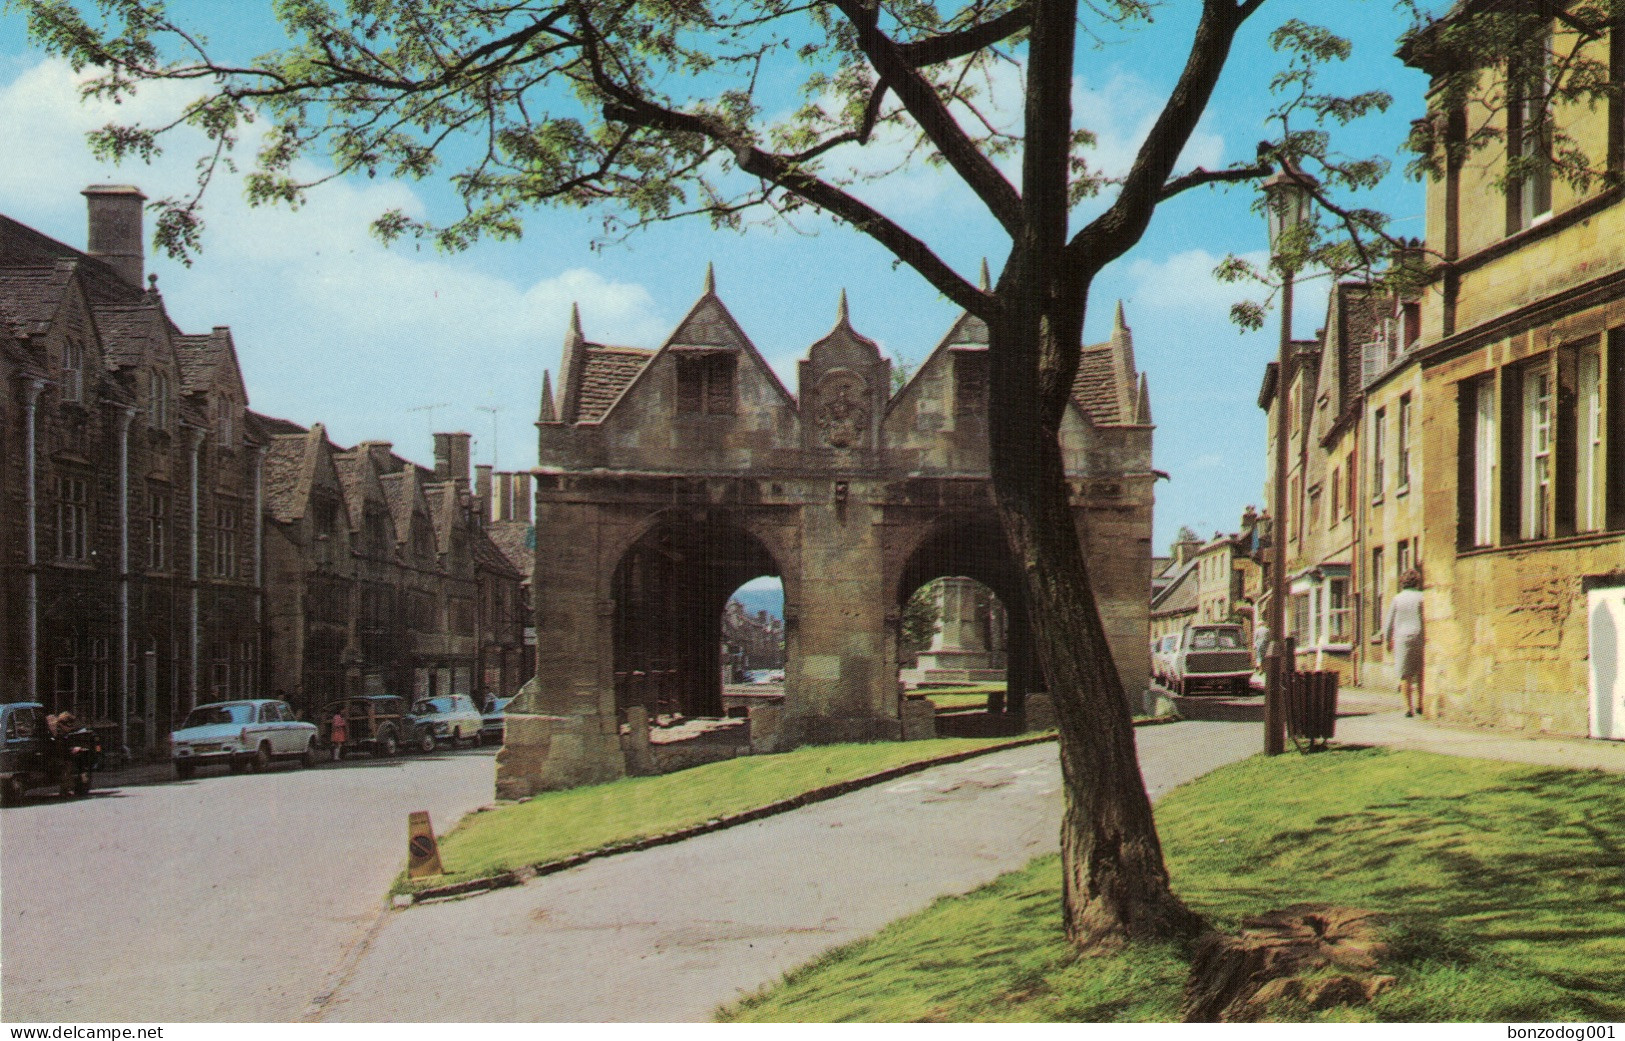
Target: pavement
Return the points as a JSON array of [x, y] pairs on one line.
[[1373, 717], [668, 934]]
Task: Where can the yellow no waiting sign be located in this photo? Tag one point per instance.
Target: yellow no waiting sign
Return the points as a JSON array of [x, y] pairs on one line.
[[422, 852]]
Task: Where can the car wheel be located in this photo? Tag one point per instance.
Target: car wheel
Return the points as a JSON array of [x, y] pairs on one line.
[[262, 759], [11, 793], [308, 760], [237, 764], [387, 746], [426, 742], [184, 771]]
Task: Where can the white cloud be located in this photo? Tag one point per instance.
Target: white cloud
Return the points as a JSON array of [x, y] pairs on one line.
[[331, 324]]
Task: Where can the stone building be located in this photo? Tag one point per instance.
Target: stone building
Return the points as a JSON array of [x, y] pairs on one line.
[[161, 545], [1520, 396], [1355, 479], [509, 497], [667, 478], [382, 576], [130, 490], [1207, 582]]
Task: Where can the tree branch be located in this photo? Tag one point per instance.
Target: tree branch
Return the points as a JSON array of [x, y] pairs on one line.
[[931, 113], [1199, 177], [936, 49], [1111, 234]]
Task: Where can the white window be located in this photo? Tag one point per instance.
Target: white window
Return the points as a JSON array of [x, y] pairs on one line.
[[73, 370], [1339, 628], [1483, 462], [1379, 435], [157, 530], [1588, 451], [1537, 453], [1534, 137], [1403, 437]]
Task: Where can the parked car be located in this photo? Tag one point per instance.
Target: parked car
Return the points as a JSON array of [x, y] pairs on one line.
[[379, 723], [449, 717], [242, 735], [23, 762], [1211, 657], [1162, 653], [495, 720]]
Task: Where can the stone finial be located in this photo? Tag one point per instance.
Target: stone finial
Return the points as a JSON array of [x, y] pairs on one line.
[[1142, 410], [842, 316], [710, 280], [986, 282], [574, 335], [1118, 324], [548, 413]]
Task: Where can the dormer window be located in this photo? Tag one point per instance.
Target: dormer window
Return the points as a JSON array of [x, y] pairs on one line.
[[970, 384], [705, 383], [225, 421], [73, 370]]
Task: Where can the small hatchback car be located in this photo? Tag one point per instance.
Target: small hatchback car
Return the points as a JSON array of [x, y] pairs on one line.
[[241, 735], [449, 717]]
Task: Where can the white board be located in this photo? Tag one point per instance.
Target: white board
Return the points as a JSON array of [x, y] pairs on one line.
[[1606, 611]]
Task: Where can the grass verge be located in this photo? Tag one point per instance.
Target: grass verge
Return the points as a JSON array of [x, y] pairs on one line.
[[556, 825], [1505, 884]]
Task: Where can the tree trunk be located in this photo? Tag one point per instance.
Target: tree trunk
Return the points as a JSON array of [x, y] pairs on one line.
[[1116, 886]]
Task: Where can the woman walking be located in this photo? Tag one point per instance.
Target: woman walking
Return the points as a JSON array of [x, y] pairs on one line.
[[1403, 634]]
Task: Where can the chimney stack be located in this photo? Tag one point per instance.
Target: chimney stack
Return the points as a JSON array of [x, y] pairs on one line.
[[482, 492], [451, 458], [114, 211]]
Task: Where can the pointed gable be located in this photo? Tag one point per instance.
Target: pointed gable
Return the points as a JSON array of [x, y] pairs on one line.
[[1107, 387]]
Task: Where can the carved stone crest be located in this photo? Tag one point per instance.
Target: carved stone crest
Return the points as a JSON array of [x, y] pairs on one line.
[[843, 408]]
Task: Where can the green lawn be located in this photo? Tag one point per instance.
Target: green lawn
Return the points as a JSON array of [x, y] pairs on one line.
[[555, 825], [972, 695], [1506, 884]]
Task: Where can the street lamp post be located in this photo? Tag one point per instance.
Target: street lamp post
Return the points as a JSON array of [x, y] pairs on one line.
[[1286, 203]]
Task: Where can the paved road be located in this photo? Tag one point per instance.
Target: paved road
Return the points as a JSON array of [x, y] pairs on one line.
[[226, 898], [668, 934]]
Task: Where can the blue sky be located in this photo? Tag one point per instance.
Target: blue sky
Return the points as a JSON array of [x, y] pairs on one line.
[[393, 343]]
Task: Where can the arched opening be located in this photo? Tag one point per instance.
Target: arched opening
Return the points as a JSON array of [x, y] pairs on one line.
[[963, 620], [672, 590]]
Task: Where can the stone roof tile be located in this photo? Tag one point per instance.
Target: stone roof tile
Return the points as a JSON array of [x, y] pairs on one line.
[[607, 372]]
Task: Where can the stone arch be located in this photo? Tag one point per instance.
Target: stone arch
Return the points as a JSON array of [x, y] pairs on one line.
[[669, 587], [972, 545]]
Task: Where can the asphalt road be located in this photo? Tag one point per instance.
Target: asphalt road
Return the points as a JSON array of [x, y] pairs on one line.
[[669, 934], [228, 898]]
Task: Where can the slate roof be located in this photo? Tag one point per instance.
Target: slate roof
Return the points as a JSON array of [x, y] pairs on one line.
[[1180, 594], [1095, 387], [487, 555], [284, 476], [360, 483], [517, 542], [31, 296], [131, 332], [606, 373], [22, 246], [200, 355]]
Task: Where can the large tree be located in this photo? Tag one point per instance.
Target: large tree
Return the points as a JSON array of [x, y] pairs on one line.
[[653, 109]]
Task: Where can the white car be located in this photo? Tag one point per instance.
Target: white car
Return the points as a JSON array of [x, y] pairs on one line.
[[242, 735], [450, 717]]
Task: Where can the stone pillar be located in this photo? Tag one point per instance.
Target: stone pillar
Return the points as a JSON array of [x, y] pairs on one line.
[[562, 729], [840, 681]]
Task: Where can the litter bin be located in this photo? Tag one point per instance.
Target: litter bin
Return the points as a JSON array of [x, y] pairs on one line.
[[1311, 707]]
